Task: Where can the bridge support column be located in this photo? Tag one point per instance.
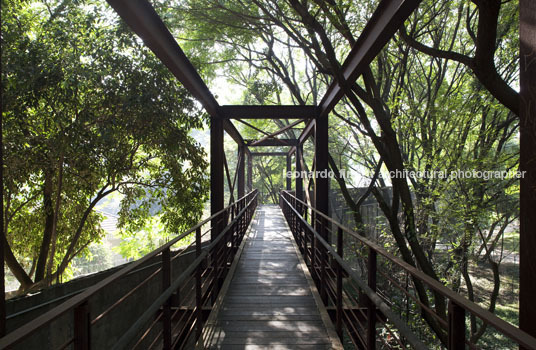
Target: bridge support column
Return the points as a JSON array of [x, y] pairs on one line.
[[322, 166], [289, 169], [216, 173], [527, 162], [299, 179], [250, 171], [241, 171], [321, 197]]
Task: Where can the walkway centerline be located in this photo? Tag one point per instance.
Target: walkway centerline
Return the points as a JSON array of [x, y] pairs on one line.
[[269, 303]]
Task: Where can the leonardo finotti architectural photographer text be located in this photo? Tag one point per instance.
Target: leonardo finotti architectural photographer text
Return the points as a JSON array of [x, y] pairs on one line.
[[458, 174], [323, 174]]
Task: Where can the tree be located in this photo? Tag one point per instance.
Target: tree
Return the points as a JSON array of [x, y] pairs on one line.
[[403, 122], [88, 111], [491, 26]]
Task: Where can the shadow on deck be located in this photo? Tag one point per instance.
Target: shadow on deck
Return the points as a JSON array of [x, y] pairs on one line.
[[270, 300]]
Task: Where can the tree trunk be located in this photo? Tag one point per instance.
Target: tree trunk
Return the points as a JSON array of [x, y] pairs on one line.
[[49, 226], [54, 235], [15, 267]]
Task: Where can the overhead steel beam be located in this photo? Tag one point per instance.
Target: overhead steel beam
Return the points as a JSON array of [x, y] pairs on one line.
[[268, 112], [231, 130], [262, 154], [252, 126], [309, 128], [145, 22], [382, 26], [272, 142], [280, 131], [306, 132]]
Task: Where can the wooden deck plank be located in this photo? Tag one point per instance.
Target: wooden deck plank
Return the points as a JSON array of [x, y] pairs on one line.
[[275, 346], [269, 303], [269, 310]]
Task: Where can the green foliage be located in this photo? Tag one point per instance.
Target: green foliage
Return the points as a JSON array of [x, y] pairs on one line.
[[89, 111], [412, 111]]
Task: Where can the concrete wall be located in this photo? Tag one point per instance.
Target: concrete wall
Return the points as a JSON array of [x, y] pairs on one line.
[[108, 330]]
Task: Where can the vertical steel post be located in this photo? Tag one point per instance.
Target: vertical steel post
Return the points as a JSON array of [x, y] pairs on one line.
[[294, 217], [216, 195], [234, 229], [289, 169], [306, 239], [225, 247], [371, 308], [241, 171], [3, 240], [322, 168], [340, 252], [456, 340], [82, 326], [243, 219], [321, 196], [216, 173], [299, 234], [198, 291], [299, 179], [250, 170], [166, 308], [527, 163]]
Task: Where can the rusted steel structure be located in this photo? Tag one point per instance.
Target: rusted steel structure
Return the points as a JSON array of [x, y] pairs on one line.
[[320, 238], [527, 162], [357, 308], [180, 305]]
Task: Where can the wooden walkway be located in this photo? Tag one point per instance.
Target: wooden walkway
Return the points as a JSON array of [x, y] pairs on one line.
[[269, 302]]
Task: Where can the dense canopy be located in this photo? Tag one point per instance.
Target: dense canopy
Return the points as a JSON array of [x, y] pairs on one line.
[[88, 111]]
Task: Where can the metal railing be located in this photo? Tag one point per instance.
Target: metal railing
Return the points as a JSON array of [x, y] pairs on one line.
[[176, 316], [365, 311]]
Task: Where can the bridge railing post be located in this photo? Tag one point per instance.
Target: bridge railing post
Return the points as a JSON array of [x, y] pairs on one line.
[[166, 308], [296, 222], [294, 217], [371, 308], [198, 291], [226, 252], [82, 326], [456, 318], [241, 221], [299, 240], [235, 229], [306, 239], [304, 244], [324, 260], [340, 252], [241, 230], [313, 253]]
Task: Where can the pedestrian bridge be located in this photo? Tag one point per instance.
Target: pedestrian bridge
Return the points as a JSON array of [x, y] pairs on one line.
[[270, 299], [286, 277]]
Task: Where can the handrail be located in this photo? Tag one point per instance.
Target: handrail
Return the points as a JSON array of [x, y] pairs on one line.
[[123, 341], [516, 334], [402, 327], [24, 331]]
